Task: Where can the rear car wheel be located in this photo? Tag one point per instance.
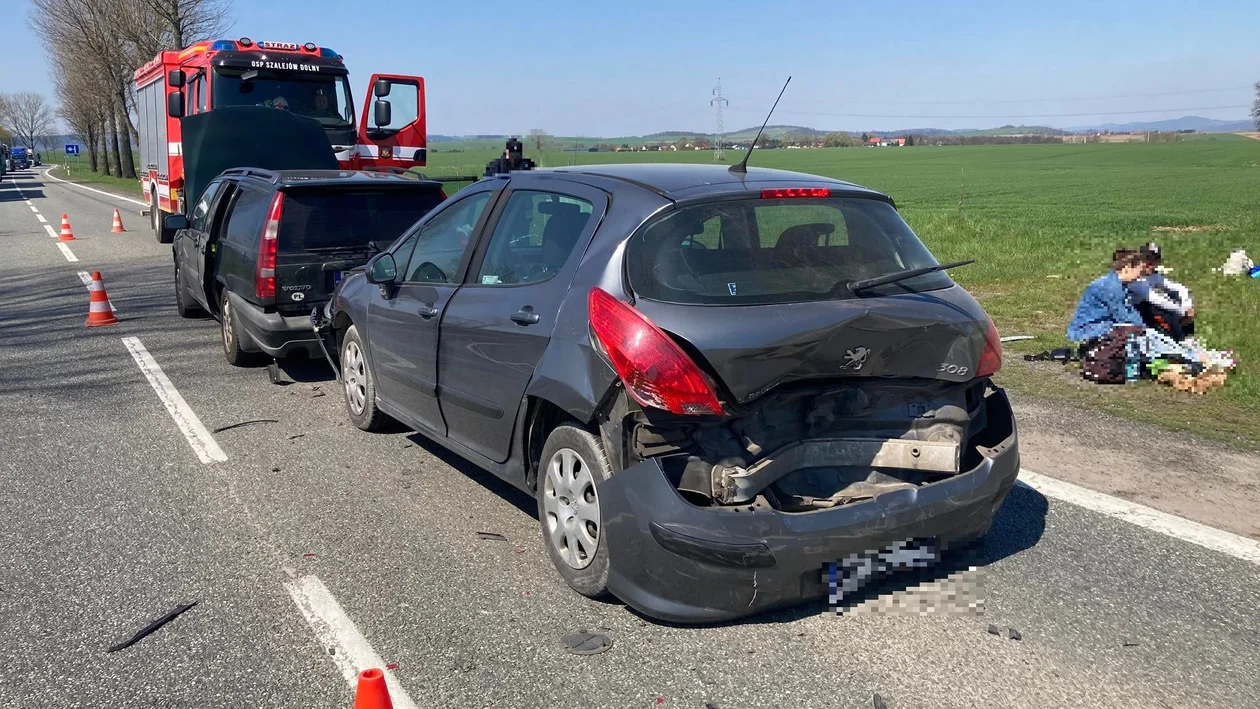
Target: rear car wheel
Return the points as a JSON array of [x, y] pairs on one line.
[[232, 351], [573, 465], [184, 305], [360, 387]]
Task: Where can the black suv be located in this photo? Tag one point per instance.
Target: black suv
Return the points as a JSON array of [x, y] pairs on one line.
[[260, 247]]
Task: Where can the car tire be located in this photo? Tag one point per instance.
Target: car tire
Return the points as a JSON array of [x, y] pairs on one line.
[[360, 387], [572, 466], [231, 336], [184, 305]]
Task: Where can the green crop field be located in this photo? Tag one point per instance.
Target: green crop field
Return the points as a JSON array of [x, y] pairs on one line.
[[1042, 220]]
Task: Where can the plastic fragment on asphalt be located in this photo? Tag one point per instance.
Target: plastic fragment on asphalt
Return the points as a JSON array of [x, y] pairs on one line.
[[1130, 643], [520, 550], [1014, 634], [660, 701], [392, 666], [878, 702], [583, 643], [309, 555], [492, 536], [994, 630], [221, 429], [151, 627], [297, 435]]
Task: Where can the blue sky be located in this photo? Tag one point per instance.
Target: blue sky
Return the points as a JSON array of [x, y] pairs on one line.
[[605, 69]]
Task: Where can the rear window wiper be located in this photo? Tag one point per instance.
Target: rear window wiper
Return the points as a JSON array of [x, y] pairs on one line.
[[867, 283]]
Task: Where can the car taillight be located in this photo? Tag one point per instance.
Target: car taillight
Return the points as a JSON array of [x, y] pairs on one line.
[[654, 368], [991, 358], [790, 192], [265, 277]]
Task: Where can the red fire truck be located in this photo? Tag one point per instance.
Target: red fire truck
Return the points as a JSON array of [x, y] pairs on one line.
[[303, 78]]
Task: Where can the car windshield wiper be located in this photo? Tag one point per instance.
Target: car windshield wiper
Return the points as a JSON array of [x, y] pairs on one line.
[[867, 283]]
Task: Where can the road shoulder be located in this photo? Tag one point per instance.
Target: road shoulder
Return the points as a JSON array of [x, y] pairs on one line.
[[1177, 473]]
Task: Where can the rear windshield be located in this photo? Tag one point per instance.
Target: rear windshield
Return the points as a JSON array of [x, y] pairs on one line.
[[322, 220], [755, 251]]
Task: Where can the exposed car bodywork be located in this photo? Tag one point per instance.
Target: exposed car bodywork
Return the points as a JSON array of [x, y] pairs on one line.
[[845, 425]]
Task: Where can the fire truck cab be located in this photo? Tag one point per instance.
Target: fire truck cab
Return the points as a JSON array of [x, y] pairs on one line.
[[306, 79]]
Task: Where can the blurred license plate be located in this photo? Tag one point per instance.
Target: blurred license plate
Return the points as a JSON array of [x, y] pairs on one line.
[[336, 278]]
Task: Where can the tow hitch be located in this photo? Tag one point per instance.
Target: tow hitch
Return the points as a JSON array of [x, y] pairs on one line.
[[321, 324]]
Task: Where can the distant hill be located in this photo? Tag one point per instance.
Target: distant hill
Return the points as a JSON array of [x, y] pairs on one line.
[[1196, 123]]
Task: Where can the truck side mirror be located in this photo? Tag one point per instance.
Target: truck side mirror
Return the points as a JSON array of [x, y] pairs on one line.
[[382, 112], [381, 88], [175, 104], [175, 78]]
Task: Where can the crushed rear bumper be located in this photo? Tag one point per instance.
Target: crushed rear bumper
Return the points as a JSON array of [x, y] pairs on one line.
[[675, 561], [277, 335]]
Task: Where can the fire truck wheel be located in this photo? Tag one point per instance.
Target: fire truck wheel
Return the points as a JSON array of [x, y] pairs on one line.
[[159, 229]]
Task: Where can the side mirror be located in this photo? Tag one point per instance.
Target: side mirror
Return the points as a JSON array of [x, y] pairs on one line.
[[381, 269], [175, 104], [381, 88], [175, 222], [382, 112], [175, 78]]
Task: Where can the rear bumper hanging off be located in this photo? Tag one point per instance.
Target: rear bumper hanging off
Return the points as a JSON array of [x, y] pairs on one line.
[[679, 562]]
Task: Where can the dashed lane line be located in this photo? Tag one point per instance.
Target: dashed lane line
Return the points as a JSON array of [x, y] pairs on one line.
[[51, 232], [348, 649], [203, 444], [41, 218], [65, 251]]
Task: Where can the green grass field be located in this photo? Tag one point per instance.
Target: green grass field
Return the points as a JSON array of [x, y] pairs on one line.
[[1042, 220], [80, 171]]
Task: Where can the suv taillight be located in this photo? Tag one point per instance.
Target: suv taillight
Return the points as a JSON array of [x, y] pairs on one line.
[[654, 368], [265, 276], [991, 358]]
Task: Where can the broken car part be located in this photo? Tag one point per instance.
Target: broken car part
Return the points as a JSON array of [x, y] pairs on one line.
[[151, 627]]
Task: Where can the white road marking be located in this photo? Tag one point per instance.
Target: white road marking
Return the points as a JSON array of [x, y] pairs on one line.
[[87, 281], [49, 175], [28, 202], [334, 629], [203, 444], [1170, 525], [33, 209], [51, 231], [65, 250], [41, 218]]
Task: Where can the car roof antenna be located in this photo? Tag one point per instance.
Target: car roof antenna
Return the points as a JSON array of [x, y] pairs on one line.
[[742, 167]]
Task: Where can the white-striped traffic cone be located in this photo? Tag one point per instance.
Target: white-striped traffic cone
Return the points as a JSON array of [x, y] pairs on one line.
[[118, 227], [66, 234], [100, 312]]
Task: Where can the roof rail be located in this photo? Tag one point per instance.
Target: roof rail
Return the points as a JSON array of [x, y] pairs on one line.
[[269, 175]]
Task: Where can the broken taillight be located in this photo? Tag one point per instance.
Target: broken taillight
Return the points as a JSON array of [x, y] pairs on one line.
[[654, 368], [265, 276], [991, 358]]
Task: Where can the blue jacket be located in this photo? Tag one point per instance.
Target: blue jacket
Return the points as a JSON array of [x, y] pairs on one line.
[[1104, 304]]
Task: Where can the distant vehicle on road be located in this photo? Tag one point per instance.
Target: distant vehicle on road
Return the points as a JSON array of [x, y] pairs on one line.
[[19, 158], [713, 382], [261, 247]]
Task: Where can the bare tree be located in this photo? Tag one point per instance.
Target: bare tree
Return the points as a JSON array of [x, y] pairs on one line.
[[28, 116], [182, 22], [1255, 107]]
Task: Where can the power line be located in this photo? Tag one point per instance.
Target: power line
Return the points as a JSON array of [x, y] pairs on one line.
[[1001, 116], [1048, 100], [719, 102]]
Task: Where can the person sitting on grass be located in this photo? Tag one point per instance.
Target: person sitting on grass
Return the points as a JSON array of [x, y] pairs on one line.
[[1164, 304], [1106, 303]]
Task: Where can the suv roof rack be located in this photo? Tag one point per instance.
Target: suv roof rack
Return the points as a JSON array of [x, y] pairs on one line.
[[269, 175]]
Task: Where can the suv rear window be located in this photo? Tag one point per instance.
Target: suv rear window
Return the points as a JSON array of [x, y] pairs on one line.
[[340, 219], [760, 251]]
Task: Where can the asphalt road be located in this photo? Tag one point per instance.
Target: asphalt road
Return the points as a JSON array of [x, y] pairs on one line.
[[108, 519]]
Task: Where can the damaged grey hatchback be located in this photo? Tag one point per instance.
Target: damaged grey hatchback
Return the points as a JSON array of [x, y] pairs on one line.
[[714, 383]]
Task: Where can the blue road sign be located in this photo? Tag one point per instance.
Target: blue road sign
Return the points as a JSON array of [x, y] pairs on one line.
[[72, 149]]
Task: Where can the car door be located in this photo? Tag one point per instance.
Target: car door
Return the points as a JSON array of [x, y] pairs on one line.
[[498, 324], [402, 318], [189, 244]]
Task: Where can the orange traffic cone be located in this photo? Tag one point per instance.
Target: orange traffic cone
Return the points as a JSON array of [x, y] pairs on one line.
[[372, 692], [100, 311], [118, 227], [66, 234]]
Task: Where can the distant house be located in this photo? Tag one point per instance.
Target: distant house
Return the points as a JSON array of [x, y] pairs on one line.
[[879, 142], [875, 141]]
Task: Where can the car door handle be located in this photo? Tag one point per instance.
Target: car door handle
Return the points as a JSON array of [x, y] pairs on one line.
[[427, 311], [524, 317]]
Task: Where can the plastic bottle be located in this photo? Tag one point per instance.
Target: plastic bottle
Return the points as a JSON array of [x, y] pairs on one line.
[[1131, 360]]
